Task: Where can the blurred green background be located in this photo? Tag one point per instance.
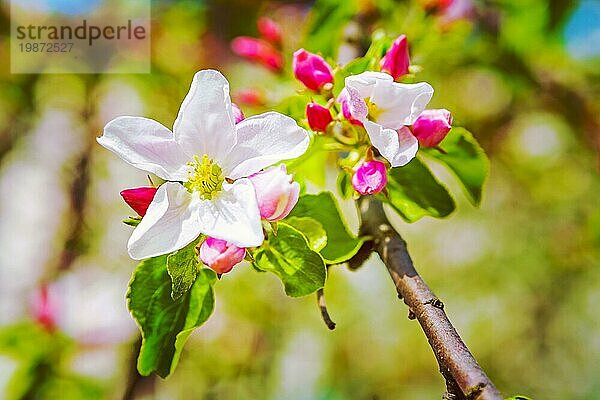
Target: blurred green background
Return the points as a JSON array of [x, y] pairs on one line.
[[520, 277]]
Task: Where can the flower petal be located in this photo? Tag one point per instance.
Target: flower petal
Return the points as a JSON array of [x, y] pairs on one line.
[[263, 140], [400, 103], [398, 147], [170, 223], [147, 145], [365, 82], [205, 123], [233, 215], [356, 106]]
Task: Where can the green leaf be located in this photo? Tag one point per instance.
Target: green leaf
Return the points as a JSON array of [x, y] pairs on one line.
[[344, 185], [39, 373], [356, 66], [295, 107], [34, 349], [309, 166], [312, 230], [289, 256], [70, 387], [132, 221], [27, 340], [182, 267], [466, 159], [322, 207], [414, 192], [380, 42], [166, 323]]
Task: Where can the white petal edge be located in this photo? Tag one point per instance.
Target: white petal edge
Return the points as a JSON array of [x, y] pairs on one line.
[[205, 123], [263, 140], [170, 223], [401, 104], [364, 82], [398, 147], [147, 145], [233, 215]]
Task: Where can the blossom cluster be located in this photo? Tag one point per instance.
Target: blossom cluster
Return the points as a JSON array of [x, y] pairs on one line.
[[223, 181], [391, 112]]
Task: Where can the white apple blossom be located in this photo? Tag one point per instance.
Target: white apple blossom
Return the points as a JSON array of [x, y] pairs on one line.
[[205, 160], [385, 107]]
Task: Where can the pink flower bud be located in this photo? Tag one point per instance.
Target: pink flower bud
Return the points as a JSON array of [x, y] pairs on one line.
[[311, 69], [269, 29], [238, 115], [370, 177], [250, 97], [220, 255], [272, 60], [276, 192], [396, 61], [436, 5], [455, 10], [318, 117], [139, 198], [259, 51], [248, 47], [44, 308], [432, 126]]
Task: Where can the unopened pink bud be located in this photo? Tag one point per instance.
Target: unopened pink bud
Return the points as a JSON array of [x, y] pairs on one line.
[[311, 69], [276, 192], [455, 10], [272, 60], [139, 198], [221, 255], [437, 5], [238, 115], [245, 46], [250, 97], [370, 177], [258, 50], [318, 117], [396, 61], [432, 126], [269, 29]]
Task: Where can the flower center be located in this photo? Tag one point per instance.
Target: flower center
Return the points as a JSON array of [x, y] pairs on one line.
[[374, 110], [205, 177]]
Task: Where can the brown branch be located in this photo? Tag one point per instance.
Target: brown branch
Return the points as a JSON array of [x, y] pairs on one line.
[[464, 377]]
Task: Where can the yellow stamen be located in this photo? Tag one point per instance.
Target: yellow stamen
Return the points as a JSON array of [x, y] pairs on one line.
[[205, 177], [374, 110]]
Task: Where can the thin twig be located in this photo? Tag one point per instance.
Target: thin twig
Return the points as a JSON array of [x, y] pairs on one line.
[[133, 376], [323, 306], [137, 386], [464, 377]]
